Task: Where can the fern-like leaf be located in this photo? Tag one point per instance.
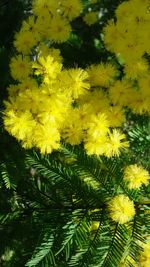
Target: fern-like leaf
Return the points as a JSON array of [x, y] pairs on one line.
[[42, 251]]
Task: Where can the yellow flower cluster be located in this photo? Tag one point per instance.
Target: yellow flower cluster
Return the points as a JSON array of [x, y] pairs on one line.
[[50, 21], [135, 176], [128, 38], [60, 104], [121, 209], [50, 103]]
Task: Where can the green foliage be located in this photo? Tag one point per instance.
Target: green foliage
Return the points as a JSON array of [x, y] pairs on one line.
[[61, 197], [42, 250]]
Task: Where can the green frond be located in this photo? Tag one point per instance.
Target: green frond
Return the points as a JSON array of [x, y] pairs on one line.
[[94, 252], [47, 167], [101, 169], [43, 250], [75, 234], [5, 175], [81, 183]]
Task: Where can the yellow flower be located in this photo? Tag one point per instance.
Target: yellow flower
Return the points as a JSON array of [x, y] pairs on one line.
[[124, 12], [59, 30], [73, 134], [72, 130], [84, 114], [111, 36], [54, 103], [42, 24], [138, 103], [47, 67], [144, 85], [80, 82], [47, 138], [136, 69], [13, 90], [20, 67], [45, 51], [121, 209], [19, 124], [116, 116], [24, 42], [119, 92], [30, 25], [95, 146], [74, 81], [43, 8], [135, 176], [101, 74], [128, 36], [29, 99], [71, 9], [97, 101], [90, 18], [98, 125], [27, 84], [115, 143]]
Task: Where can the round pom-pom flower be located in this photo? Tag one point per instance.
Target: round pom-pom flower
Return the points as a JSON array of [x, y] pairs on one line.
[[59, 30], [91, 18], [71, 9], [135, 176], [101, 74], [20, 67], [47, 67], [121, 209], [116, 143]]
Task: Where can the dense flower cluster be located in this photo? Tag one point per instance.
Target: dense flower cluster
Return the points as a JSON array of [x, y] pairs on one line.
[[49, 103], [129, 35], [128, 38], [50, 21], [62, 106]]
